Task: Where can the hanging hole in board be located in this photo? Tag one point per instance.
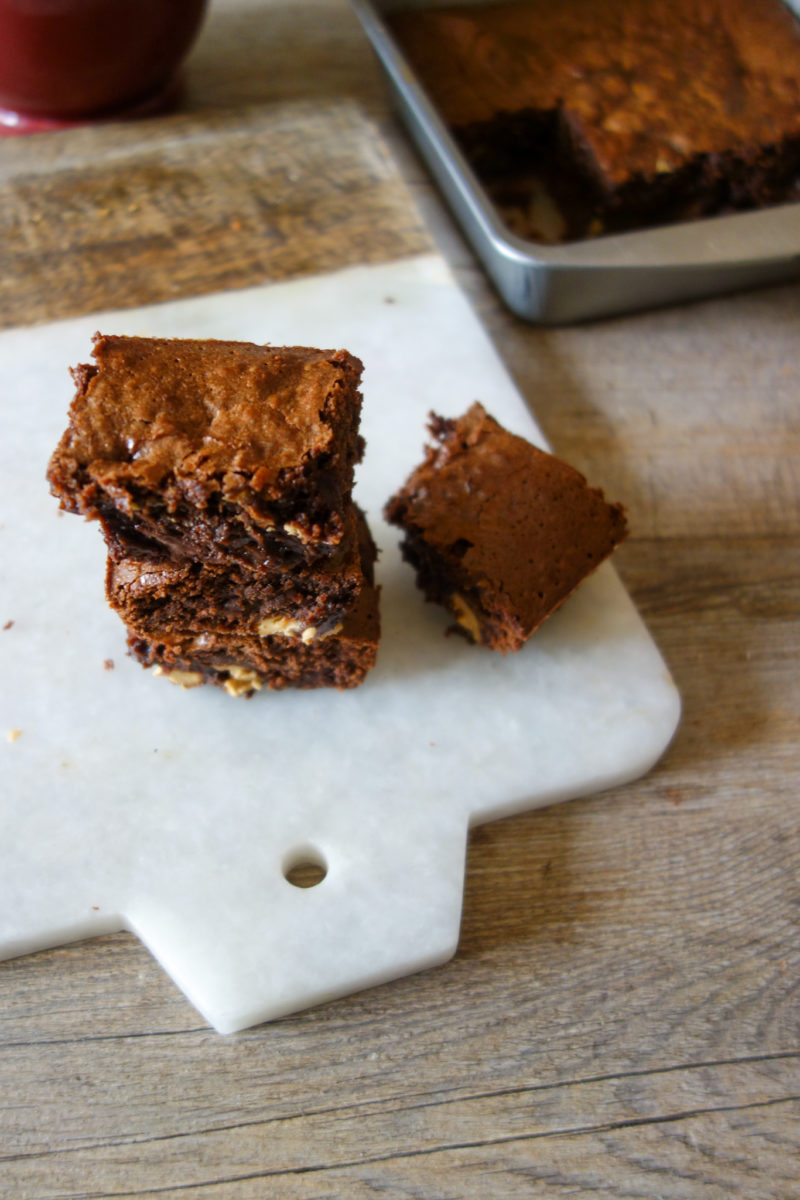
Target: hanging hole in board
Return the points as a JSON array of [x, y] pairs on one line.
[[304, 867]]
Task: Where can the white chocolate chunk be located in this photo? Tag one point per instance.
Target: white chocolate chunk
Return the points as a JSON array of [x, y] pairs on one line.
[[184, 679], [242, 680], [279, 626], [465, 616], [294, 530], [288, 627]]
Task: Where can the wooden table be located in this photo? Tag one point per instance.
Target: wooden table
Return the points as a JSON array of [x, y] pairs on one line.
[[622, 1015]]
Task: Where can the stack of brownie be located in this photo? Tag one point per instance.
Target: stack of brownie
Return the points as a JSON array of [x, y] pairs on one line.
[[221, 473]]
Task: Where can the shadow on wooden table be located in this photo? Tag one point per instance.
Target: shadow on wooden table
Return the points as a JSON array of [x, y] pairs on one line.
[[521, 883]]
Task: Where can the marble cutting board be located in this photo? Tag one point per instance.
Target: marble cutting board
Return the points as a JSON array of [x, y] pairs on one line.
[[128, 803]]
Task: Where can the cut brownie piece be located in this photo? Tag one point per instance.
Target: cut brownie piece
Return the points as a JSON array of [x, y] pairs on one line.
[[650, 110], [212, 449], [498, 531], [242, 663], [154, 594]]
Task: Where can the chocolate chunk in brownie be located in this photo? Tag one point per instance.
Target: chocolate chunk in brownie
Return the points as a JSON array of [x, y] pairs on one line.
[[155, 595], [212, 449], [498, 531], [633, 112]]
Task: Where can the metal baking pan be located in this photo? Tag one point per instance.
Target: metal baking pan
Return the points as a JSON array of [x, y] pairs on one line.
[[558, 284]]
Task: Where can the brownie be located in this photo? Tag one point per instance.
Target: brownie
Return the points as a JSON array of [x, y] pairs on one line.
[[212, 450], [498, 531], [633, 112], [154, 594], [221, 474], [242, 662]]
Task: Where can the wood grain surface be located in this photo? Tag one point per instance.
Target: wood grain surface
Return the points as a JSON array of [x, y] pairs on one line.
[[194, 205], [622, 1017]]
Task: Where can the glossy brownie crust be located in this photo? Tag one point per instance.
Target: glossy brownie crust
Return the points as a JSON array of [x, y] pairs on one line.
[[660, 108], [498, 531], [212, 449]]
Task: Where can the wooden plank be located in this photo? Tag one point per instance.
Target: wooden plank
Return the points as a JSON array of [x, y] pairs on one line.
[[114, 220], [377, 1131]]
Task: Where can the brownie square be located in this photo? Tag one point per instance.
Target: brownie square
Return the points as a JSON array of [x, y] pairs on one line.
[[242, 662], [212, 450], [498, 531], [633, 112], [154, 595]]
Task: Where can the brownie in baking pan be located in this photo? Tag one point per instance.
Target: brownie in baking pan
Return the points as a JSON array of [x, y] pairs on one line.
[[632, 112], [498, 531], [152, 593], [212, 450], [243, 663]]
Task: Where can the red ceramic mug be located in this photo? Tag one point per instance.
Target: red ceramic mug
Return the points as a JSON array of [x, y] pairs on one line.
[[67, 61]]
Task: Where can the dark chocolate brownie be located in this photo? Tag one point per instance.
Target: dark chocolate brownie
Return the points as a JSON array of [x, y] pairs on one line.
[[498, 531], [633, 111], [242, 663], [154, 595], [212, 450]]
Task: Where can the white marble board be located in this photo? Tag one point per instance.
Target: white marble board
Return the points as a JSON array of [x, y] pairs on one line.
[[129, 803]]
